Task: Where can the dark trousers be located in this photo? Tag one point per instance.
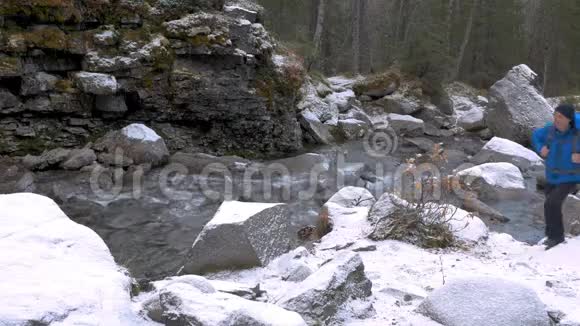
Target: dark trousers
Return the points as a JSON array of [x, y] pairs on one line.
[[555, 197]]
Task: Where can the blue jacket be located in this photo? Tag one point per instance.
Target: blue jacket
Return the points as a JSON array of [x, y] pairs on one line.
[[559, 165]]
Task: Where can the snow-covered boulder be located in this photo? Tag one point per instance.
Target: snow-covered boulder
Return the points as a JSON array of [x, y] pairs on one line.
[[472, 120], [240, 235], [516, 106], [319, 297], [353, 197], [136, 142], [96, 83], [504, 150], [406, 124], [571, 210], [494, 180], [485, 301], [55, 271], [182, 302]]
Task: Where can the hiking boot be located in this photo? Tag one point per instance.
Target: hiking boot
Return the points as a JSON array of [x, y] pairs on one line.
[[551, 243]]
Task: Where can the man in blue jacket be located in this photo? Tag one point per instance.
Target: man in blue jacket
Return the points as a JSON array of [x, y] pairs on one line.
[[559, 144]]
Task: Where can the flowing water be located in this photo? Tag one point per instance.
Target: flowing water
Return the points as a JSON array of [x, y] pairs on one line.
[[149, 228]]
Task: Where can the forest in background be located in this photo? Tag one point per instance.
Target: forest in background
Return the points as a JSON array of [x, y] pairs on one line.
[[475, 41]]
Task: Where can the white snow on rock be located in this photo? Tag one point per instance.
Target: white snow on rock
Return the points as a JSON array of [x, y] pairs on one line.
[[353, 197], [240, 235], [466, 226], [140, 132], [55, 271], [504, 150], [184, 302], [483, 301], [501, 175]]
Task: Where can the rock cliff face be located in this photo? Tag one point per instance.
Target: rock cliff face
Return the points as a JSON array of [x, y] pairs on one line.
[[200, 72]]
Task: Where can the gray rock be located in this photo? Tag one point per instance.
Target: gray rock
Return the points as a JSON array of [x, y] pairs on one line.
[[472, 120], [111, 104], [46, 160], [353, 129], [320, 133], [38, 83], [485, 134], [318, 298], [27, 132], [424, 144], [406, 125], [365, 98], [399, 104], [384, 207], [479, 208], [9, 103], [571, 211], [433, 116], [503, 150], [516, 107], [357, 114], [26, 183], [96, 83], [241, 235], [483, 302], [181, 304], [79, 158], [137, 142]]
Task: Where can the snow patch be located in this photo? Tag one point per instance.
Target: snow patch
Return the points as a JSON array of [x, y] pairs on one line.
[[140, 132]]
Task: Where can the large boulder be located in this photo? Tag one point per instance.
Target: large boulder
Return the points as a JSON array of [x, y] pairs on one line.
[[318, 298], [240, 235], [136, 142], [56, 271], [504, 150], [192, 300], [516, 107], [483, 302], [494, 180]]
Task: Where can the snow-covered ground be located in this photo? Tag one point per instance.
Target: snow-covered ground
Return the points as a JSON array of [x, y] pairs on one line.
[[403, 274], [56, 271]]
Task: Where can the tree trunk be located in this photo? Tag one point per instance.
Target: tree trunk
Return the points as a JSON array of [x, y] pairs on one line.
[[318, 32], [466, 38], [355, 36], [449, 26]]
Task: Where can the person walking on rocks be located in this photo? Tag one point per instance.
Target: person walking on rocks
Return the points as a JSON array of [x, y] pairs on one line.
[[559, 144]]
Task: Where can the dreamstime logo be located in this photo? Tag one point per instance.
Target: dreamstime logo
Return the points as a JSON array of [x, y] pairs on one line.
[[381, 142]]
